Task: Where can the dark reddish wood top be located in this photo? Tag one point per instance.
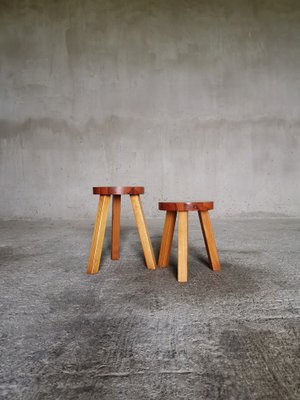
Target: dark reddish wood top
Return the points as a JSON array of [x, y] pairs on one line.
[[108, 190], [186, 206]]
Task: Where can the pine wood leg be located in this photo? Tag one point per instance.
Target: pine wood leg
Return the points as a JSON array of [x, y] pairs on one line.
[[209, 240], [167, 238], [98, 235], [115, 230], [182, 246], [143, 231]]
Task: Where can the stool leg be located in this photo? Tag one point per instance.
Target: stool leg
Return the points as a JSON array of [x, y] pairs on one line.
[[98, 235], [209, 240], [182, 245], [115, 230], [143, 231], [167, 238]]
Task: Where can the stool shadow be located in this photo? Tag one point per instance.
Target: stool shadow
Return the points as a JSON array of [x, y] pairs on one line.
[[199, 254], [156, 245], [194, 256], [156, 241], [173, 265], [129, 241], [195, 253]]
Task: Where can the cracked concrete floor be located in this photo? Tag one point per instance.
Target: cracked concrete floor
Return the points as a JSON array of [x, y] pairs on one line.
[[130, 333]]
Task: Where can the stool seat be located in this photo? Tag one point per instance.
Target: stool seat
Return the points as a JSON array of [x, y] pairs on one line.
[[186, 205], [118, 190]]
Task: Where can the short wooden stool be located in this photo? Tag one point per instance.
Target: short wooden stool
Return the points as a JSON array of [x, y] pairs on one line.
[[183, 208], [100, 225]]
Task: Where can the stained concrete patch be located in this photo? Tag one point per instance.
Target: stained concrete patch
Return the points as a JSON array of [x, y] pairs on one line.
[[130, 333]]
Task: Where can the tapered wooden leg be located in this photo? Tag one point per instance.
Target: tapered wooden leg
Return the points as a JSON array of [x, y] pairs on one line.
[[98, 235], [209, 240], [182, 245], [143, 231], [167, 238], [115, 230]]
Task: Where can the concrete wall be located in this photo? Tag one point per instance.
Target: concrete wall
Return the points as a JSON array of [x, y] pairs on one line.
[[195, 99]]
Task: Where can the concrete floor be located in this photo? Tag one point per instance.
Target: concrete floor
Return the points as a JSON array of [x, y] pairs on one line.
[[130, 333]]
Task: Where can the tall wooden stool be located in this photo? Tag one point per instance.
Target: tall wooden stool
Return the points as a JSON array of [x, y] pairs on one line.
[[183, 208], [100, 225]]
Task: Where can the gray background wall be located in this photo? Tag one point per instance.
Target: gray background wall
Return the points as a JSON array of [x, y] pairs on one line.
[[193, 99]]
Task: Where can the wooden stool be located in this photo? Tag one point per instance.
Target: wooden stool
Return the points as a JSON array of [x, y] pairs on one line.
[[100, 225], [183, 208]]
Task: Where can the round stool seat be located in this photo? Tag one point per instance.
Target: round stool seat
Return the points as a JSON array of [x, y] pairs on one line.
[[186, 206], [111, 190]]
